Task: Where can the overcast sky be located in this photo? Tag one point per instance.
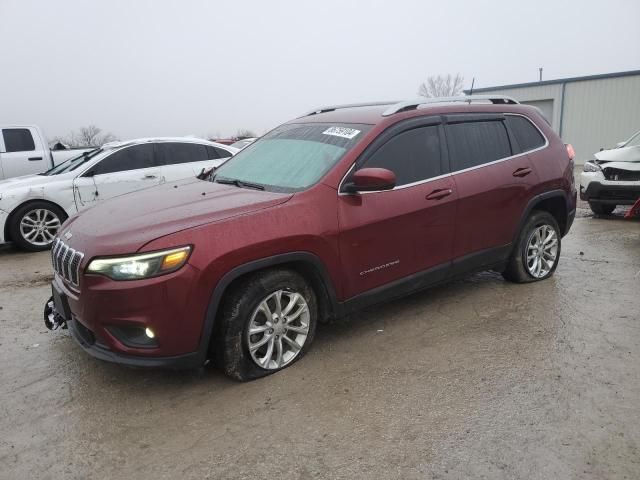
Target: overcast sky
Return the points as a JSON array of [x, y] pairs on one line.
[[211, 67]]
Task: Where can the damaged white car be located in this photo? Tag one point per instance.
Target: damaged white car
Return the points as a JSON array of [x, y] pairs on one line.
[[33, 207], [613, 177]]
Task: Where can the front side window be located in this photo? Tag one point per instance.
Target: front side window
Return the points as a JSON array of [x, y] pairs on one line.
[[18, 140], [526, 135], [413, 155], [129, 158], [292, 157], [173, 153], [475, 143]]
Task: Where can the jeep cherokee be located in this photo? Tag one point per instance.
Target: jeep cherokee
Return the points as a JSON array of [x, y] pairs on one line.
[[334, 211]]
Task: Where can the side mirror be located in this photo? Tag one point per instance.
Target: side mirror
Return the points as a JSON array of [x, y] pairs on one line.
[[371, 179], [620, 144]]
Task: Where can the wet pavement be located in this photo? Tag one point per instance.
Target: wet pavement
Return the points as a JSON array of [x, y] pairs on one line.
[[475, 379]]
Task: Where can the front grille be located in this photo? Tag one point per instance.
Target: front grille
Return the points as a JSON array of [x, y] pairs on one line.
[[618, 175], [66, 261]]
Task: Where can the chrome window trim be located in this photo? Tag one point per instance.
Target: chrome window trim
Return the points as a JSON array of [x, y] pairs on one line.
[[452, 173]]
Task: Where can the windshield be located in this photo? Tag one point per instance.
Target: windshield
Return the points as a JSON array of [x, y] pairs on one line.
[[633, 141], [72, 163], [292, 157]]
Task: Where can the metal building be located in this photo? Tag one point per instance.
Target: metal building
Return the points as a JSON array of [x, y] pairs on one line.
[[591, 112]]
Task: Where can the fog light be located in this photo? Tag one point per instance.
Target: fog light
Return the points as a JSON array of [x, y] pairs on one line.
[[149, 333]]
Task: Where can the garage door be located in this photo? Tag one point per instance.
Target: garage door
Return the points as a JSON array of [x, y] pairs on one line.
[[545, 106]]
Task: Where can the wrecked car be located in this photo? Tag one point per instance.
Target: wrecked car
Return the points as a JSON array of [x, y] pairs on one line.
[[33, 207], [612, 178]]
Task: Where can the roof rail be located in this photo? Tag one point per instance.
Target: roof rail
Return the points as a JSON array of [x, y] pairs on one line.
[[413, 104], [350, 105]]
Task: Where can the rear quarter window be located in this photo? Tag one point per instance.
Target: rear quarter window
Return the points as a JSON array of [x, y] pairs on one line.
[[526, 135]]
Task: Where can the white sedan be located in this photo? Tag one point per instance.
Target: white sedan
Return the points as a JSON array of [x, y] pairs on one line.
[[33, 207]]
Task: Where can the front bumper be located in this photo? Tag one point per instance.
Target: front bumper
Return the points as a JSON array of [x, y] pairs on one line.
[[611, 193], [102, 309], [87, 340]]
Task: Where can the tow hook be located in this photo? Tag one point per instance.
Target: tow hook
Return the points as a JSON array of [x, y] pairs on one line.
[[52, 319]]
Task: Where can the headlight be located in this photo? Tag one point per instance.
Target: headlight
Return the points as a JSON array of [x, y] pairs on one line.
[[591, 167], [144, 265]]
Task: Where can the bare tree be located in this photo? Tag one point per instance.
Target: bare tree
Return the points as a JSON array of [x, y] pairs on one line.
[[245, 133], [90, 136], [442, 86]]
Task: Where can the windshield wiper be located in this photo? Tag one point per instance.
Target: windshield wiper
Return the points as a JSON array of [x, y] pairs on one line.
[[239, 183]]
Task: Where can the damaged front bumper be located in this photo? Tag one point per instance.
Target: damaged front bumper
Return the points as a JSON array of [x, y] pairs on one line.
[[613, 183], [610, 192]]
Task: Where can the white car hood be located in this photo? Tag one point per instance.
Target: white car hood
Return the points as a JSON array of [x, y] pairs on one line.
[[17, 189], [624, 154], [25, 181], [630, 166]]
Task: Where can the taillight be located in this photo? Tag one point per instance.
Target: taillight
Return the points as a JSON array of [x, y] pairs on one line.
[[570, 151]]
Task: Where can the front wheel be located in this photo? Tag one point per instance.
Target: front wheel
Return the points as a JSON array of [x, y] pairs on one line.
[[268, 322], [33, 226], [537, 252]]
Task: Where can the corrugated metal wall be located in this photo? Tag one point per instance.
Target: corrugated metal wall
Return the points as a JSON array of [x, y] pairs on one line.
[[597, 113], [600, 113]]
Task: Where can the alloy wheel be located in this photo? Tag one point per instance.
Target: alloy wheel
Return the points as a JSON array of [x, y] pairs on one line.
[[542, 251], [40, 226], [278, 329]]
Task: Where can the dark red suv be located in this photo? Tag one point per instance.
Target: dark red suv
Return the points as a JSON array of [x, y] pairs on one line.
[[334, 211]]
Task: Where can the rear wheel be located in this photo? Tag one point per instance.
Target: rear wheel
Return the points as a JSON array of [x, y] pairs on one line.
[[601, 208], [268, 322], [537, 251], [34, 225]]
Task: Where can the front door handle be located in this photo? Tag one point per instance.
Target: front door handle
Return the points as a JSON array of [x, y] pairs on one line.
[[150, 175], [522, 172], [34, 159], [439, 193]]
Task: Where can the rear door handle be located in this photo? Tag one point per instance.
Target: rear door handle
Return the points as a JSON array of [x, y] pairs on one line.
[[522, 172], [438, 194], [150, 175], [34, 159]]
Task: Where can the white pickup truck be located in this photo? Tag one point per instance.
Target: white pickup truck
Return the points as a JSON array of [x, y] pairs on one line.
[[24, 151]]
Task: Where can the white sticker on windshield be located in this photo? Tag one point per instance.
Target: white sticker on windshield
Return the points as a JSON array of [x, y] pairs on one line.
[[342, 132]]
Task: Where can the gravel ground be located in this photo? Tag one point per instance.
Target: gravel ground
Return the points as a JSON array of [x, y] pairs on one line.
[[475, 379]]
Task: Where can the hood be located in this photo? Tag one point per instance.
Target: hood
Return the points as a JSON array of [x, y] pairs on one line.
[[25, 181], [624, 154], [125, 223], [17, 189], [629, 166]]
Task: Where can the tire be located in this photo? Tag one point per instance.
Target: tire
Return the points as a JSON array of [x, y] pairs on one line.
[[244, 307], [601, 208], [519, 270], [31, 216]]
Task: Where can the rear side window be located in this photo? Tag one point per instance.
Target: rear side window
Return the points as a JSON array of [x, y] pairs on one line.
[[475, 143], [526, 135], [18, 140], [130, 158], [413, 155], [176, 153]]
